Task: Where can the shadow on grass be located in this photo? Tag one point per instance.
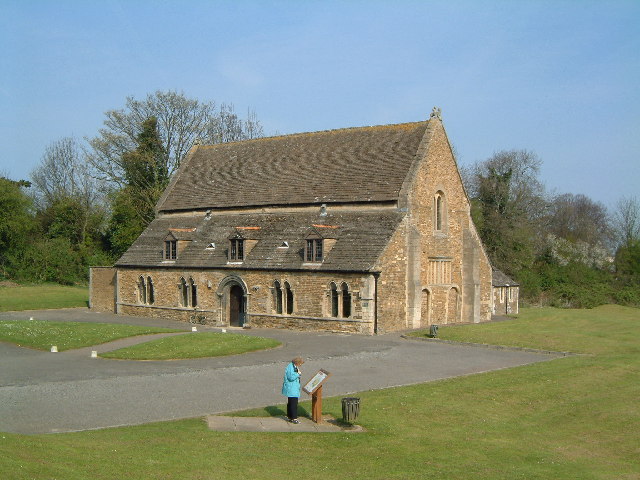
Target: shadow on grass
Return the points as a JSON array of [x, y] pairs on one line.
[[279, 411]]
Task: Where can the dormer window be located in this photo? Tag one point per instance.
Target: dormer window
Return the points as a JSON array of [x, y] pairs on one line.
[[170, 249], [314, 250], [236, 250], [319, 242], [176, 241], [241, 242]]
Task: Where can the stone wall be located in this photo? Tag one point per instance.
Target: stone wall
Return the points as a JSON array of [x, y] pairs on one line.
[[392, 284], [505, 300], [102, 289], [311, 298], [455, 273]]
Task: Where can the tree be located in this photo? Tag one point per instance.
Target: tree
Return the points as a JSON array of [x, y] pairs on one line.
[[628, 260], [17, 224], [63, 173], [508, 203], [181, 122], [627, 226], [145, 171], [146, 177], [526, 191], [626, 220], [577, 218], [69, 199]]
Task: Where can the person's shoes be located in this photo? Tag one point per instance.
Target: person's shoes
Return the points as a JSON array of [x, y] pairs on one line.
[[295, 420]]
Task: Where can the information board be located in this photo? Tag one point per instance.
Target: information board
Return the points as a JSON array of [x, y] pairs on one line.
[[313, 384]]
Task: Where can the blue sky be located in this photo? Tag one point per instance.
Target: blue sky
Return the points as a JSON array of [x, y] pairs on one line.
[[559, 78]]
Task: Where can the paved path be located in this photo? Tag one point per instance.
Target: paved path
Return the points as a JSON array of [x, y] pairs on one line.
[[278, 424], [43, 392]]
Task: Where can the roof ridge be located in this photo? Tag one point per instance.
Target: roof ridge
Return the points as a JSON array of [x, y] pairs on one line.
[[317, 132]]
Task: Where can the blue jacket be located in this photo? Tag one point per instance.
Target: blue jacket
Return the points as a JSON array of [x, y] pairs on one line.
[[291, 382]]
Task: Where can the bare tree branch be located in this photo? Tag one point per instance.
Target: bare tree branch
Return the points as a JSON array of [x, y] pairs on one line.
[[181, 122]]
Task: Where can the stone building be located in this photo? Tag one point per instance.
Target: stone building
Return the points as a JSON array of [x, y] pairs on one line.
[[363, 230], [506, 292]]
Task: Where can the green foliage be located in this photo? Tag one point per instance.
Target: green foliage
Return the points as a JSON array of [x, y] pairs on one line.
[[69, 218], [145, 166], [628, 260], [574, 285], [557, 248], [50, 260], [17, 224], [125, 224], [146, 176], [507, 200]]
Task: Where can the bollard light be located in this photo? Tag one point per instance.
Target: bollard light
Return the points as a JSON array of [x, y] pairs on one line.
[[224, 330], [94, 354], [194, 329], [54, 349]]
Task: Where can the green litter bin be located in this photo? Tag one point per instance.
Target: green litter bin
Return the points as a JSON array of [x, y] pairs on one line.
[[350, 409], [433, 331]]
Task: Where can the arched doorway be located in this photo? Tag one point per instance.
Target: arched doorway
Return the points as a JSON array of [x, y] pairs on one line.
[[425, 310], [237, 310], [232, 293], [453, 306]]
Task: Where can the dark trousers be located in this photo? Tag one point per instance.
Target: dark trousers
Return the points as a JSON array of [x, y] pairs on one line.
[[292, 407]]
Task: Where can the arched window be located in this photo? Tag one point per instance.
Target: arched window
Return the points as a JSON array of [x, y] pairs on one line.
[[184, 292], [346, 300], [440, 212], [334, 300], [289, 298], [149, 290], [277, 297], [188, 292], [193, 293], [142, 291]]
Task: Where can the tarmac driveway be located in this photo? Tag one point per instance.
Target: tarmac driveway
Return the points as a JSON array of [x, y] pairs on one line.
[[43, 392]]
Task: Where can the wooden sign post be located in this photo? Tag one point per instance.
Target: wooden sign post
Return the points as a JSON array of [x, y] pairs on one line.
[[314, 388]]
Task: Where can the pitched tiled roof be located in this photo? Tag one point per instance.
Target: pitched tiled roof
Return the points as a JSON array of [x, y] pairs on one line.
[[360, 240], [500, 279], [367, 164]]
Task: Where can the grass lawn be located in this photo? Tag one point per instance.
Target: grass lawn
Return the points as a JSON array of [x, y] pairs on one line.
[[41, 335], [38, 297], [198, 345], [597, 331], [576, 417]]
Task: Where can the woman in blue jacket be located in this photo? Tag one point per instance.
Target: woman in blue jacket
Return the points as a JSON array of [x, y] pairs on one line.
[[291, 388]]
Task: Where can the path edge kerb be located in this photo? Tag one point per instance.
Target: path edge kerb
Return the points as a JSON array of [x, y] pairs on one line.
[[489, 346]]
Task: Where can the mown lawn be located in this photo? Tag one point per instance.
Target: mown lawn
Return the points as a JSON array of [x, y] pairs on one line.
[[576, 417], [39, 297], [205, 344], [41, 335]]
